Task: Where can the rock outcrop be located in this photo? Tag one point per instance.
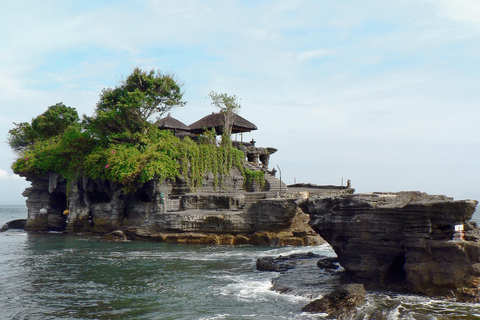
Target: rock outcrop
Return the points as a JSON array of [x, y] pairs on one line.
[[14, 224], [341, 303], [402, 238], [165, 211], [283, 263]]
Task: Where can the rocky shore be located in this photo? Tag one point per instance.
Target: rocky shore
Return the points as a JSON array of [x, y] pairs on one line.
[[411, 241], [164, 211]]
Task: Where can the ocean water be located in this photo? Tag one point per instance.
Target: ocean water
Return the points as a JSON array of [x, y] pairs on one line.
[[58, 276]]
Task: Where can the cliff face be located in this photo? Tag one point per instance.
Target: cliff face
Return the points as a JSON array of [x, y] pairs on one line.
[[162, 211], [402, 237]]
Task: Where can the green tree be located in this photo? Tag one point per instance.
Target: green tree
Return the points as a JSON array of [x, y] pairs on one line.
[[51, 123], [129, 108], [229, 106]]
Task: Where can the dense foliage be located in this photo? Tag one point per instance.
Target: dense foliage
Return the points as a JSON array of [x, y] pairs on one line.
[[119, 143], [127, 109], [49, 124]]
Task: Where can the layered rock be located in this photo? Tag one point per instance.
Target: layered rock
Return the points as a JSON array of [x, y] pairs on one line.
[[267, 222], [162, 211], [402, 237]]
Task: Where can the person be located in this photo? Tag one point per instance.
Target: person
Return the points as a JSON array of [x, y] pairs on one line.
[[90, 219]]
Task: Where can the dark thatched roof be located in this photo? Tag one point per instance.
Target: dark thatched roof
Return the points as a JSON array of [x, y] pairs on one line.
[[217, 121], [170, 123]]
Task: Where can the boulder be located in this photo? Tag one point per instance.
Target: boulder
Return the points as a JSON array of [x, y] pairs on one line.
[[281, 263], [329, 263], [117, 235], [402, 238], [341, 303]]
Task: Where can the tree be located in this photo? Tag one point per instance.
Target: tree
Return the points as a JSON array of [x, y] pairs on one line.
[[51, 123], [130, 107], [229, 106]]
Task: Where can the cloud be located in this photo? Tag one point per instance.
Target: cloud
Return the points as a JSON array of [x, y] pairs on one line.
[[466, 12], [314, 54], [357, 87], [17, 177], [4, 175]]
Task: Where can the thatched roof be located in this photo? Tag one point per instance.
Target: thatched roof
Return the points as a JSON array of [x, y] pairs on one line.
[[217, 121], [170, 123]]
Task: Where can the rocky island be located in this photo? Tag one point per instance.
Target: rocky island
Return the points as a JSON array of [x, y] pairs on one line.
[[123, 176]]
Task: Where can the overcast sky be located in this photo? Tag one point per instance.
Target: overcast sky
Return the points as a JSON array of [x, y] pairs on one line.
[[385, 93]]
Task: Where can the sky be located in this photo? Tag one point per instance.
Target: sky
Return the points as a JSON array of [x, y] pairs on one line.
[[384, 93]]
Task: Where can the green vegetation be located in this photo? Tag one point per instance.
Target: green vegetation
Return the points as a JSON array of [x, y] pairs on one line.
[[49, 124], [124, 111], [229, 106], [254, 176], [120, 143]]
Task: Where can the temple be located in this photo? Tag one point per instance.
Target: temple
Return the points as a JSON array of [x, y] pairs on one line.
[[249, 205]]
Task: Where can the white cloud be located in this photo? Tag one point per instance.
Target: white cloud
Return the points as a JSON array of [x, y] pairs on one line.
[[462, 11], [17, 177], [314, 54], [5, 175], [353, 87]]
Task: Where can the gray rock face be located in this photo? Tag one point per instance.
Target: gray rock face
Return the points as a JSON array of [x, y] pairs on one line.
[[403, 237]]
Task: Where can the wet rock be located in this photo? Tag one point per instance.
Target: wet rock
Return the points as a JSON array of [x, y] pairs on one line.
[[307, 280], [117, 235], [281, 263], [14, 224], [342, 303], [331, 263], [405, 237]]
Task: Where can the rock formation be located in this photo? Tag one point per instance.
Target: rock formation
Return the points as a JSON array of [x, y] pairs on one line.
[[402, 238], [341, 303], [14, 224], [165, 211], [283, 263]]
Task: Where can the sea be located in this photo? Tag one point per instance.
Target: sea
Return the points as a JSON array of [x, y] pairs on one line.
[[59, 276]]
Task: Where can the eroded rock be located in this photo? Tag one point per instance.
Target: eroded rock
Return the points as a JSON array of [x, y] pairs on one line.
[[404, 237], [341, 303]]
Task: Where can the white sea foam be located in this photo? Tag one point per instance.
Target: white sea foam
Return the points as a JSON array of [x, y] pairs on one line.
[[15, 234], [252, 288], [215, 317]]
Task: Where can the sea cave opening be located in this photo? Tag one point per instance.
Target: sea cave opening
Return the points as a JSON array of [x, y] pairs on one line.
[[97, 196], [396, 272], [58, 204]]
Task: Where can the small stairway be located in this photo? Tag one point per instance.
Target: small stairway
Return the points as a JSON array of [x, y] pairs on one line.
[[276, 186], [251, 197]]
